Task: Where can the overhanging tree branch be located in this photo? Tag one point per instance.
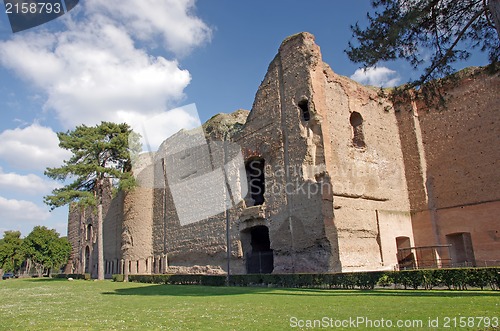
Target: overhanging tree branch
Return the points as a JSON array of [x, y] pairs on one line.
[[449, 51], [402, 29]]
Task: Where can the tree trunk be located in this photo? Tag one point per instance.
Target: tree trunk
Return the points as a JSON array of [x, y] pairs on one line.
[[494, 7], [100, 245]]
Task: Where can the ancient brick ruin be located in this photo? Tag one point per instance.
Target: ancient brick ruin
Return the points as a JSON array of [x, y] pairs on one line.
[[339, 178]]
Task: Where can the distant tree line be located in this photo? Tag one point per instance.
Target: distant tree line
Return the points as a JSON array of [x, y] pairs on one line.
[[41, 252]]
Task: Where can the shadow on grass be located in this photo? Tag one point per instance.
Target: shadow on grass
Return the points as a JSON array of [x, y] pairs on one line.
[[38, 280], [197, 291], [186, 290]]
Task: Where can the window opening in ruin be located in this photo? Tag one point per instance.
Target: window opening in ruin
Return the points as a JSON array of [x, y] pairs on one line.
[[406, 258], [87, 260], [137, 267], [304, 107], [260, 259], [129, 266], [461, 250], [88, 235], [256, 181], [358, 139], [147, 265]]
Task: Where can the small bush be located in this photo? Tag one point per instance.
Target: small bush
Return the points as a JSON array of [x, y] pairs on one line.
[[386, 280], [118, 278]]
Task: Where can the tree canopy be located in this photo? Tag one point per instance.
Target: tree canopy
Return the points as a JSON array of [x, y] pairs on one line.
[[11, 253], [409, 29], [45, 249], [101, 155]]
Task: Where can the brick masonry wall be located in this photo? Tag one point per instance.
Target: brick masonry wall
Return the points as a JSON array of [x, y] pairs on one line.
[[452, 161]]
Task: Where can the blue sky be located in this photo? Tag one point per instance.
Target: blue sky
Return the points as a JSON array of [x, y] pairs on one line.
[[130, 60]]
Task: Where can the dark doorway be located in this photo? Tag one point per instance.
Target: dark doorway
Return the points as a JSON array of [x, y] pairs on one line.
[[406, 258], [260, 259], [462, 252], [87, 260], [256, 180]]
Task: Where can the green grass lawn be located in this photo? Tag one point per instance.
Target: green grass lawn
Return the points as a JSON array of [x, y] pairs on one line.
[[45, 304]]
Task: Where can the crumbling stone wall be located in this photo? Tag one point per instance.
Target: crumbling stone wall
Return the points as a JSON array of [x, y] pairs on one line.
[[282, 129], [347, 173], [366, 167], [202, 242]]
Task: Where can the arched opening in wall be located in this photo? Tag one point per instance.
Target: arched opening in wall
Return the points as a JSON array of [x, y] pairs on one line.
[[88, 234], [256, 181], [461, 250], [358, 139], [406, 258], [147, 264], [87, 260], [304, 107], [260, 259]]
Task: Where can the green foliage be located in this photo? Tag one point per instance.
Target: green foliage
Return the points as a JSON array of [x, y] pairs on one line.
[[409, 29], [105, 151], [408, 279], [45, 249], [118, 277], [386, 280], [11, 254], [206, 280]]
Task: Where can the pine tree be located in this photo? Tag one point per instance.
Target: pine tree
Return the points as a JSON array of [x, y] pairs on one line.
[[101, 153], [404, 29]]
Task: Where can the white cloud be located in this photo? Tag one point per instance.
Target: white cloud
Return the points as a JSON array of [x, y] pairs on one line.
[[12, 211], [376, 76], [172, 20], [93, 71], [27, 184], [34, 147], [155, 128]]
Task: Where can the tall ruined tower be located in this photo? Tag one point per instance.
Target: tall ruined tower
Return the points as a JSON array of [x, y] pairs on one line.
[[333, 167]]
